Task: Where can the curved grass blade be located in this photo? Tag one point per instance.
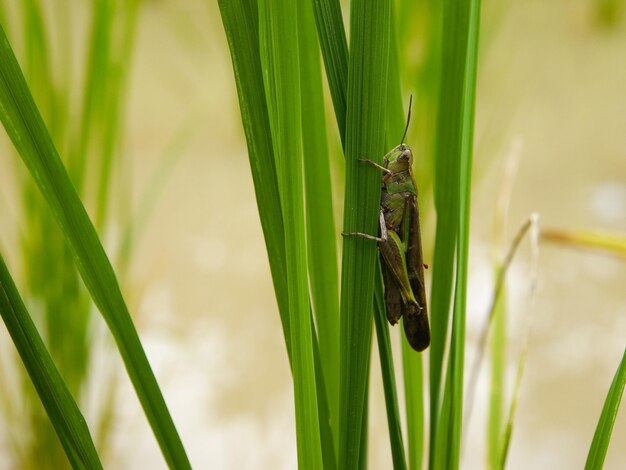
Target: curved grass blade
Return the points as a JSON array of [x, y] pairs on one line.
[[30, 137], [60, 406], [241, 24], [602, 436]]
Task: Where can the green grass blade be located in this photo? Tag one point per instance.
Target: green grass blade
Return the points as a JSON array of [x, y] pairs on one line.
[[440, 457], [62, 410], [114, 96], [321, 232], [329, 456], [505, 439], [367, 93], [93, 101], [334, 45], [280, 38], [446, 196], [414, 398], [241, 24], [602, 436], [496, 387], [388, 376], [452, 198], [30, 137], [469, 27]]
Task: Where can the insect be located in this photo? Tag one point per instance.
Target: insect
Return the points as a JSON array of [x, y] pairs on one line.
[[400, 244]]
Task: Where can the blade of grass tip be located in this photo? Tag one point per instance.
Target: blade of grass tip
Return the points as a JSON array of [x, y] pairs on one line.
[[498, 352], [30, 137], [334, 45], [60, 406], [281, 42], [491, 319], [602, 436], [457, 354], [388, 375], [320, 224], [367, 93]]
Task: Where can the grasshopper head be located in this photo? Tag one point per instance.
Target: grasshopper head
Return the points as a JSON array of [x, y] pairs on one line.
[[401, 159]]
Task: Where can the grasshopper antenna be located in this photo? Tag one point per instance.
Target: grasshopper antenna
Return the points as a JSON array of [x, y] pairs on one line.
[[408, 120]]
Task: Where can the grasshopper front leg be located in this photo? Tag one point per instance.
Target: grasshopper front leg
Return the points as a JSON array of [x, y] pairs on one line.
[[383, 231], [375, 165]]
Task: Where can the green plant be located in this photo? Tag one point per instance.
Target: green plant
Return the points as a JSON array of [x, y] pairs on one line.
[[66, 311]]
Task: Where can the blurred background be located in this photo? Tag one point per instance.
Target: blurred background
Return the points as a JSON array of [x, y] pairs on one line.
[[551, 97]]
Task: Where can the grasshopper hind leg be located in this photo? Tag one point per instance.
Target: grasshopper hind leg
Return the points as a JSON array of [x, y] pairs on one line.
[[383, 231], [393, 296]]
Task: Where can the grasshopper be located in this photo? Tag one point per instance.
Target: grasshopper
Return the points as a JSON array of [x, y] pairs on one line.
[[400, 244]]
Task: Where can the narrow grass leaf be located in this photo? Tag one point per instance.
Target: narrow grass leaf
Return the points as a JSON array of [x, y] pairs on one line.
[[241, 23], [414, 398], [446, 197], [62, 410], [334, 45], [388, 376], [30, 137], [452, 191], [602, 436], [496, 385], [112, 119], [469, 27], [365, 125], [281, 42], [320, 224]]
